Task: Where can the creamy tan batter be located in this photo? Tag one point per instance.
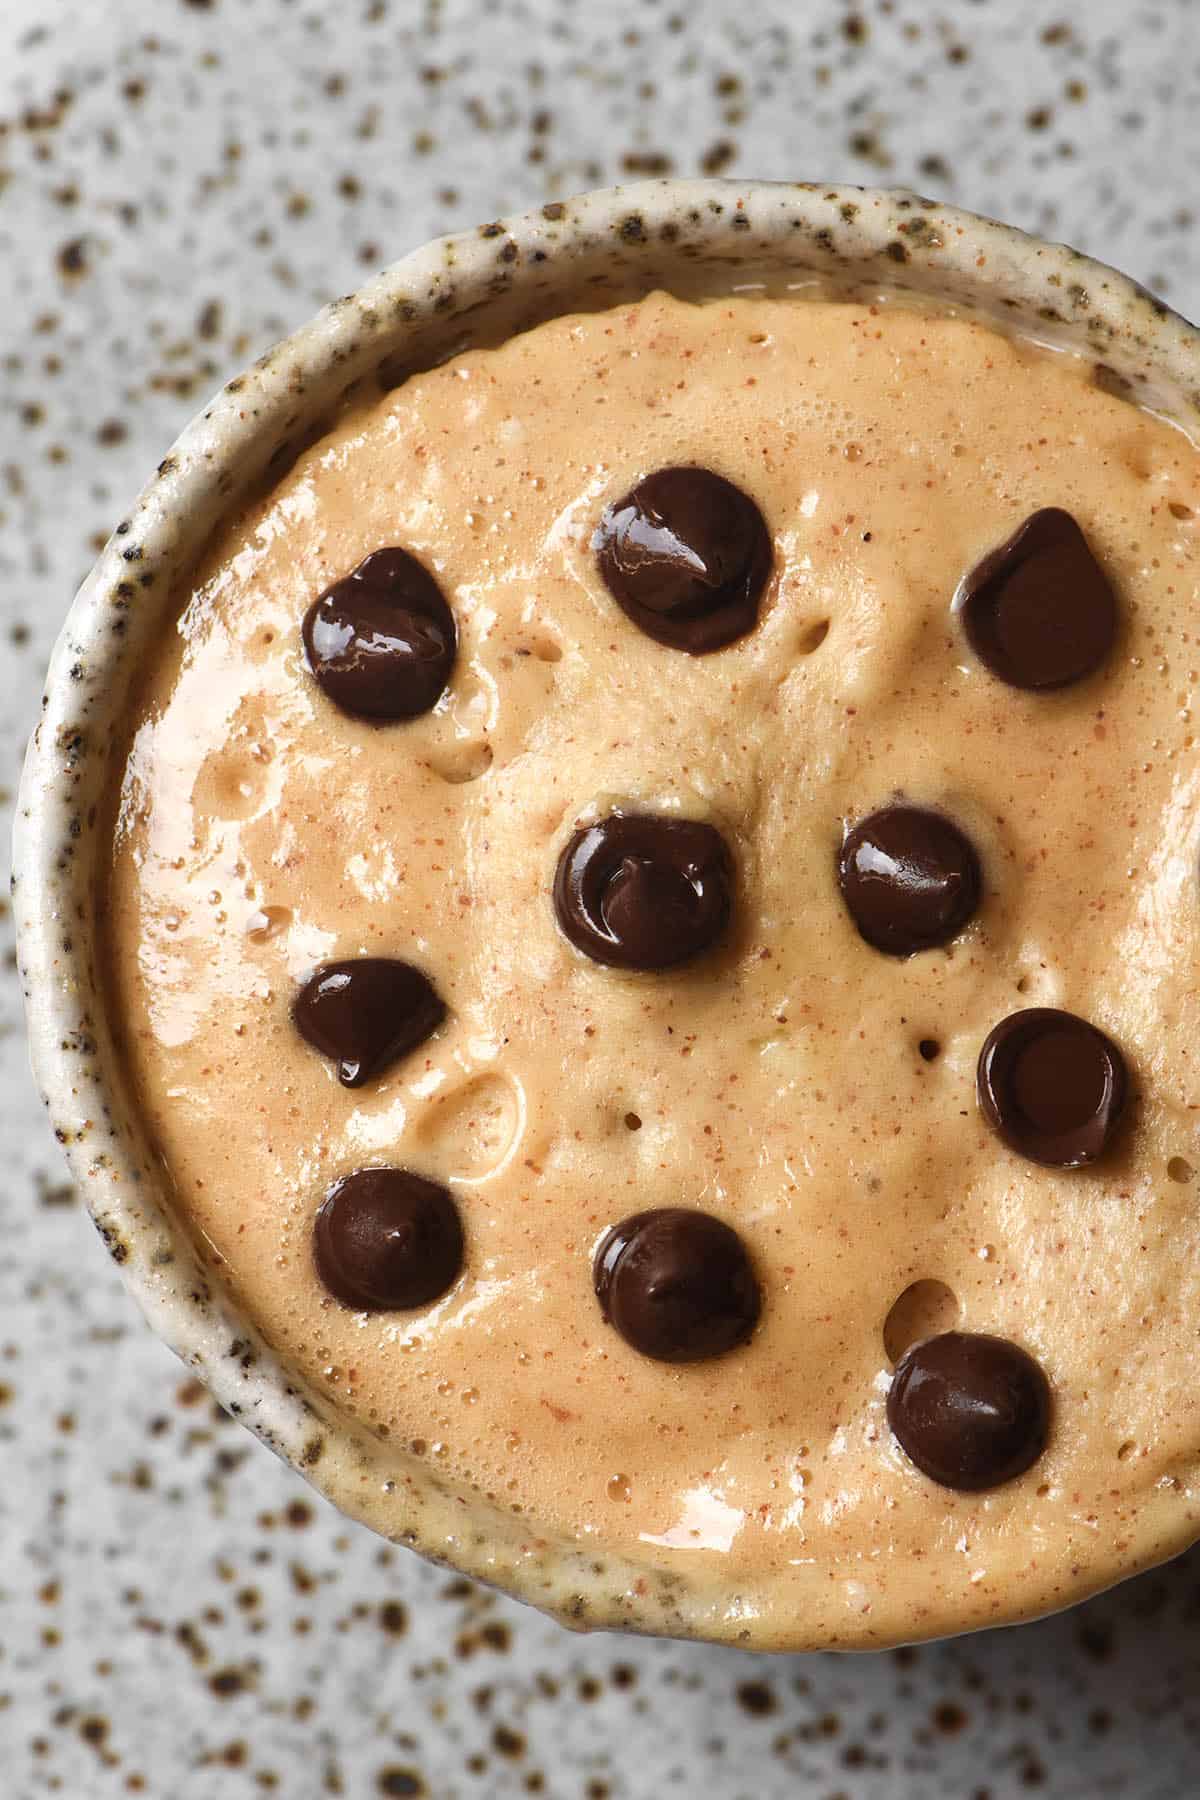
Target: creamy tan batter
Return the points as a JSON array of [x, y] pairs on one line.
[[777, 1083]]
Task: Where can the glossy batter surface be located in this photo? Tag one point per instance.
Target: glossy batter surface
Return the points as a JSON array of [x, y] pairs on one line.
[[784, 1082]]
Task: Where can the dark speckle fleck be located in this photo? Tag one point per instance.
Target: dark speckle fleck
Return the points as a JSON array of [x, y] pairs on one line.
[[400, 1782], [646, 162], [718, 156], [867, 145], [118, 1249], [72, 258], [225, 1683], [1097, 1640], [756, 1698]]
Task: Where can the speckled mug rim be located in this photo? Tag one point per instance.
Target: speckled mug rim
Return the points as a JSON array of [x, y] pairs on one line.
[[706, 236]]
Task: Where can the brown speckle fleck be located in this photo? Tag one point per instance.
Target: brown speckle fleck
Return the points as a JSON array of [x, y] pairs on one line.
[[393, 1617], [646, 162], [867, 145], [756, 1698], [718, 156], [72, 258], [1097, 1640], [393, 1781], [225, 1683]]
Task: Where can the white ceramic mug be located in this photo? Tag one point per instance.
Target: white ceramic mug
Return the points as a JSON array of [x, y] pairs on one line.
[[694, 237]]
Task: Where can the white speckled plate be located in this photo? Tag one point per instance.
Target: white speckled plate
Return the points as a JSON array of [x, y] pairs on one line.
[[182, 181]]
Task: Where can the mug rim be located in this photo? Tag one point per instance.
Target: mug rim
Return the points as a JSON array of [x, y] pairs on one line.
[[686, 235]]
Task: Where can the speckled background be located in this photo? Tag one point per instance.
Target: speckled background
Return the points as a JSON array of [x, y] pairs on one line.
[[181, 181]]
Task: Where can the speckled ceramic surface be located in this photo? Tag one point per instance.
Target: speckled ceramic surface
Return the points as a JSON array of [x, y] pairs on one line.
[[126, 1651]]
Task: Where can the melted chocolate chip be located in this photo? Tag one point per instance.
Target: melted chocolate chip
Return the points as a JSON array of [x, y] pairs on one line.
[[676, 1284], [381, 642], [909, 878], [1052, 1086], [639, 891], [1039, 611], [366, 1013], [387, 1238], [686, 556], [970, 1411]]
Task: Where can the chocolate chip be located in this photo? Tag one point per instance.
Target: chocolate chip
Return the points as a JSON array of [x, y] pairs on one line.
[[970, 1411], [639, 891], [381, 641], [1052, 1086], [366, 1013], [910, 879], [686, 556], [677, 1284], [1039, 611], [387, 1238]]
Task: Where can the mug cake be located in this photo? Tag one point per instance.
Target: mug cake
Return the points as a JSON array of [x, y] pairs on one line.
[[650, 920]]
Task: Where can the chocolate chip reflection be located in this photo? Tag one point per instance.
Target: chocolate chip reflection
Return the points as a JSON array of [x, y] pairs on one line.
[[677, 1284], [387, 1239], [1052, 1086], [1040, 611], [381, 642], [640, 891], [366, 1013], [686, 555], [971, 1411], [910, 879]]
